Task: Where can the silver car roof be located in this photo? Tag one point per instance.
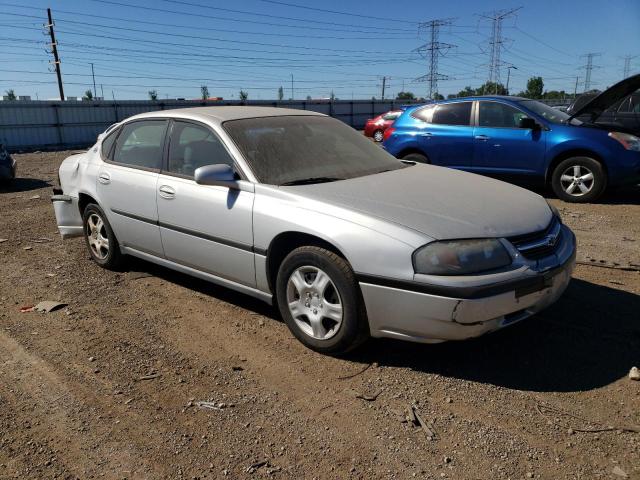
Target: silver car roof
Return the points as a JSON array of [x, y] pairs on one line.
[[222, 114]]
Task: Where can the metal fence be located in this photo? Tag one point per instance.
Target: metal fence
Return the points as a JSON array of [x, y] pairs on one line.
[[51, 125]]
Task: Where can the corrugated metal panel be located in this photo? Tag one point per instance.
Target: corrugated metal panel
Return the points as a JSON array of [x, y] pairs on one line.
[[32, 125]]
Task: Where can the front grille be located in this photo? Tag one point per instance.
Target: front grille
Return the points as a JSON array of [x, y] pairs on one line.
[[539, 244]]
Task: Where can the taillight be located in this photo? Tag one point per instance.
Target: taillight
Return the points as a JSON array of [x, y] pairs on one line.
[[387, 133]]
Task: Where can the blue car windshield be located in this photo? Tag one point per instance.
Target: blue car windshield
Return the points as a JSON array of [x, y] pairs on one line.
[[550, 114]]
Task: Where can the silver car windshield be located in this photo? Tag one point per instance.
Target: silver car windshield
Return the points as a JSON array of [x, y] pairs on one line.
[[289, 150]]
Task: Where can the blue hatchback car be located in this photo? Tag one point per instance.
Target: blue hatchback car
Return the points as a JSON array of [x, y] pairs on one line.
[[523, 140]]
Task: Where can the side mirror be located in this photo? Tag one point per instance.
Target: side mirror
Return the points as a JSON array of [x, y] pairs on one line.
[[530, 123], [219, 174]]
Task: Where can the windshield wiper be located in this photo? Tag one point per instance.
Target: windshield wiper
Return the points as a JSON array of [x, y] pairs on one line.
[[307, 181]]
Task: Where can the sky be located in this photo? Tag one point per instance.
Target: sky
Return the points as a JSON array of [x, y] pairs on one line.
[[345, 47]]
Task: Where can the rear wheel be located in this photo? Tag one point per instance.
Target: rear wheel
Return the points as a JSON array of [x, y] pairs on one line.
[[101, 241], [319, 300], [378, 135], [579, 180], [416, 157]]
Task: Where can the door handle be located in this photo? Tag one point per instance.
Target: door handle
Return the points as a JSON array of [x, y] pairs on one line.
[[482, 137], [104, 178], [167, 192], [427, 134]]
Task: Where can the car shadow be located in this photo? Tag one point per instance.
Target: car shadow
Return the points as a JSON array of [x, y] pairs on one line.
[[588, 339], [19, 184]]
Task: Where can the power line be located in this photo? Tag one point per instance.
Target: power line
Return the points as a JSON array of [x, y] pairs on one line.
[[376, 33], [433, 50], [386, 19]]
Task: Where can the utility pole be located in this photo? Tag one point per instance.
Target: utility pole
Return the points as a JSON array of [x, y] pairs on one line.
[[627, 65], [292, 86], [95, 93], [384, 85], [509, 75], [432, 50], [589, 68], [575, 89], [54, 50], [102, 91], [496, 41]]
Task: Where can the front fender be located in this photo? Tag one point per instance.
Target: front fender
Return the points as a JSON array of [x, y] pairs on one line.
[[371, 246]]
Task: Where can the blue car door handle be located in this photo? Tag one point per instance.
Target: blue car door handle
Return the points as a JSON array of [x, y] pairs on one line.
[[482, 137], [426, 134]]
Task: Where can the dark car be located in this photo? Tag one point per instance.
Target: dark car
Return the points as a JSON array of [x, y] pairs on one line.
[[375, 127], [524, 140], [7, 164], [623, 113]]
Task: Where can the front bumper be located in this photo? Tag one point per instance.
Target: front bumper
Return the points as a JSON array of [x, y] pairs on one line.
[[431, 317]]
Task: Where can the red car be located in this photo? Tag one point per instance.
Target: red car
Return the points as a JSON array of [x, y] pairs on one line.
[[375, 127]]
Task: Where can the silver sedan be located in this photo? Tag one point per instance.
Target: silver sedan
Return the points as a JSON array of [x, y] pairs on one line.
[[299, 210]]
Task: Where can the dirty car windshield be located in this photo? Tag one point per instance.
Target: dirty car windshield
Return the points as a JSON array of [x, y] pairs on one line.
[[306, 149], [551, 114]]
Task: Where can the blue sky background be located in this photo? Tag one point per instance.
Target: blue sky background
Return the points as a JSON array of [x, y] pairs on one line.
[[174, 46]]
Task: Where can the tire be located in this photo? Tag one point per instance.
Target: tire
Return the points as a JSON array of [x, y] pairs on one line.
[[378, 135], [101, 241], [416, 157], [334, 321], [579, 180]]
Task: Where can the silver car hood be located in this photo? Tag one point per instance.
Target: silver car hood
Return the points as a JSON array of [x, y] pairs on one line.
[[439, 202]]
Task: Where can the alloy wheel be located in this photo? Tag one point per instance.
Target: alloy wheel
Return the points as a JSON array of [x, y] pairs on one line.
[[378, 136], [97, 236], [577, 180], [314, 302]]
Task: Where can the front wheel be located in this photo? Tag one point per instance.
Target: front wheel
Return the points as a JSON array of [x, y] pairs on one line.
[[378, 135], [101, 241], [320, 302], [579, 180]]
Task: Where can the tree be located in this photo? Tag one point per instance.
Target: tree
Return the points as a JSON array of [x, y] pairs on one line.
[[243, 96], [467, 92], [555, 94], [88, 95], [535, 87], [333, 96], [204, 92], [153, 95], [280, 93], [405, 96], [438, 96], [308, 97], [11, 95], [491, 88]]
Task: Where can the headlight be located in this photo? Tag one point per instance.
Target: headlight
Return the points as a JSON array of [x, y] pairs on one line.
[[628, 141], [460, 257]]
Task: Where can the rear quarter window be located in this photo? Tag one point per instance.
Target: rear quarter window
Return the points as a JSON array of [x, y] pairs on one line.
[[107, 144]]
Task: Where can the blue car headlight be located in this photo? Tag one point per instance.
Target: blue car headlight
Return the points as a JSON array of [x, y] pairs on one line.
[[628, 141], [460, 257]]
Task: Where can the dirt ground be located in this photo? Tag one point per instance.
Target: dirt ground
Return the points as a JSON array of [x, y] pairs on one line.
[[109, 386]]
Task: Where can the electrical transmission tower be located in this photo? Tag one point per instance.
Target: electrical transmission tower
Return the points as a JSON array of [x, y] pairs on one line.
[[432, 50], [627, 65], [496, 40], [588, 68]]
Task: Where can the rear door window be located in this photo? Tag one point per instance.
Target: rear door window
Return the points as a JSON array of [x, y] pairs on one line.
[[107, 145], [458, 113], [141, 144]]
